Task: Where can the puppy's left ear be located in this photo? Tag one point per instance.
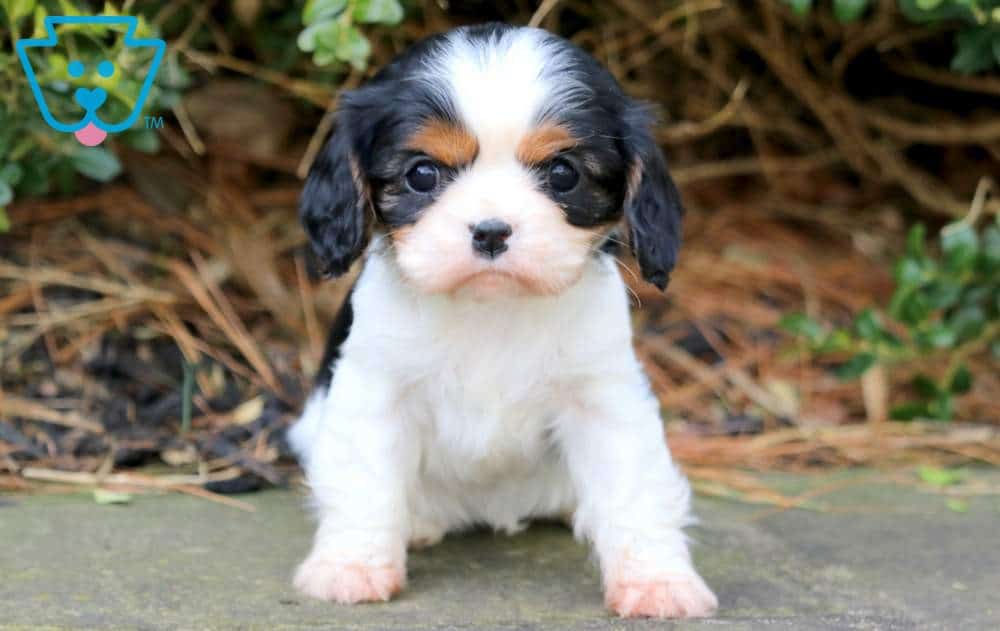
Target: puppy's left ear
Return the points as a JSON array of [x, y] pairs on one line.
[[335, 206], [653, 208]]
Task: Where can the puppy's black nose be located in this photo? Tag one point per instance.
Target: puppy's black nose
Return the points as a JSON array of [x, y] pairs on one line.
[[489, 237]]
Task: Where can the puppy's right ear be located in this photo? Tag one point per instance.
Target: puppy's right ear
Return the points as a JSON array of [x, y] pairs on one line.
[[335, 206]]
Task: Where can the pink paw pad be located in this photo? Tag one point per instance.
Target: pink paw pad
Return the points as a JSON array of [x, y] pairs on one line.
[[681, 597], [348, 583]]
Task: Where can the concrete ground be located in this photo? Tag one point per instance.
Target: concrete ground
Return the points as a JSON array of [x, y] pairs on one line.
[[881, 556]]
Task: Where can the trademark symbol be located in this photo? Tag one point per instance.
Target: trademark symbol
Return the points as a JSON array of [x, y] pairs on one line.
[[154, 122]]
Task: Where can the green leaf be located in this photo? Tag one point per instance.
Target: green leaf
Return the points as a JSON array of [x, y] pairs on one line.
[[957, 505], [941, 408], [975, 295], [973, 50], [868, 326], [106, 497], [909, 411], [39, 31], [353, 47], [968, 323], [942, 293], [378, 11], [960, 245], [6, 193], [926, 387], [144, 140], [940, 477], [17, 9], [838, 340], [68, 8], [849, 10], [908, 272], [990, 252], [961, 381], [4, 220], [96, 163], [940, 336], [803, 326], [856, 366], [324, 57], [890, 339], [912, 308], [311, 37], [800, 7], [11, 173], [928, 5], [915, 238], [322, 10], [941, 11], [36, 179]]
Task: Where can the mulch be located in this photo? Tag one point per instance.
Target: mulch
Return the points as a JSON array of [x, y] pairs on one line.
[[171, 321]]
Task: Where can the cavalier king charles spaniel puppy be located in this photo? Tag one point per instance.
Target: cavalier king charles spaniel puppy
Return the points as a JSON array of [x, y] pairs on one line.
[[481, 371]]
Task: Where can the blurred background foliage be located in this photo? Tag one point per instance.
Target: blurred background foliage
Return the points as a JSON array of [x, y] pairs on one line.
[[836, 158], [977, 43], [330, 39]]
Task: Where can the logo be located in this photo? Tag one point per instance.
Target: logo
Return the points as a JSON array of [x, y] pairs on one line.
[[90, 130]]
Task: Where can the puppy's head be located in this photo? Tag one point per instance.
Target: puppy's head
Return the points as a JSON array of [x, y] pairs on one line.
[[492, 160]]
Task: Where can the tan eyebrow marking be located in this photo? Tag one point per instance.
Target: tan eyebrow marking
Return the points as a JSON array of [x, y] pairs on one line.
[[446, 142], [544, 142]]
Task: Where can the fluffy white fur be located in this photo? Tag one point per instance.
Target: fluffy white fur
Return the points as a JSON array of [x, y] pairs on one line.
[[450, 408], [504, 88], [444, 413]]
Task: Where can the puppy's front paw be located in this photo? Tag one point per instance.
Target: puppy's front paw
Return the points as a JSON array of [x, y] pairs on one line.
[[348, 582], [681, 596]]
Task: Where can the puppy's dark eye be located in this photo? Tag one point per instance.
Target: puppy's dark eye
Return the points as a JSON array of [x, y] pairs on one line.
[[562, 176], [423, 177]]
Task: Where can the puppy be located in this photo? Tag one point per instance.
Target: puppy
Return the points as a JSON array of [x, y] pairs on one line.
[[481, 370]]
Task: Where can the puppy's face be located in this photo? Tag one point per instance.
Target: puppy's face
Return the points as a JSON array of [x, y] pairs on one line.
[[492, 160]]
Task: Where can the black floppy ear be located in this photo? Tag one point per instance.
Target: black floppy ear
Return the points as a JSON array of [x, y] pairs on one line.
[[335, 206], [653, 208]]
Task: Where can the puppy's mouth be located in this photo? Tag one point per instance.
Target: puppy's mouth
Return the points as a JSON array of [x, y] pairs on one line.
[[489, 278], [495, 281]]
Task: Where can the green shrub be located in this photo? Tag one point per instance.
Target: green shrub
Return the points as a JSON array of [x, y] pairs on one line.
[[34, 159], [331, 34], [944, 311], [977, 44]]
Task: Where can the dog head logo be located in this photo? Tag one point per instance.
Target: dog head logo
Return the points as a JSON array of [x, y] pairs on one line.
[[90, 129]]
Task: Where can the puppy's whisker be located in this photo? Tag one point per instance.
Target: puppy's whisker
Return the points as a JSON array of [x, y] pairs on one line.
[[638, 301]]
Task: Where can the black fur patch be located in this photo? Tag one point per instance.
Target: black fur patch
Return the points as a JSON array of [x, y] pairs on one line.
[[339, 331]]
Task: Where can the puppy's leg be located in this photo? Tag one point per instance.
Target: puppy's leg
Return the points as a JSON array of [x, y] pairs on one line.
[[357, 466], [633, 503]]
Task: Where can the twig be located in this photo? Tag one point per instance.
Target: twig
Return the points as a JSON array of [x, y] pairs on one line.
[[188, 128], [11, 406], [180, 484], [219, 310], [314, 93], [688, 130], [324, 127], [542, 12]]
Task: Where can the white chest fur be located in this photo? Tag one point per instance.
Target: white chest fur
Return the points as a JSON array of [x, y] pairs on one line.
[[476, 388], [444, 413]]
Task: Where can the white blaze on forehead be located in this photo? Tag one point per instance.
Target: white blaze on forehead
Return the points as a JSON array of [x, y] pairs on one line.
[[501, 85]]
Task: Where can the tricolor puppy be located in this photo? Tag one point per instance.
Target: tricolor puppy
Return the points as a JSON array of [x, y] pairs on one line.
[[482, 370]]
